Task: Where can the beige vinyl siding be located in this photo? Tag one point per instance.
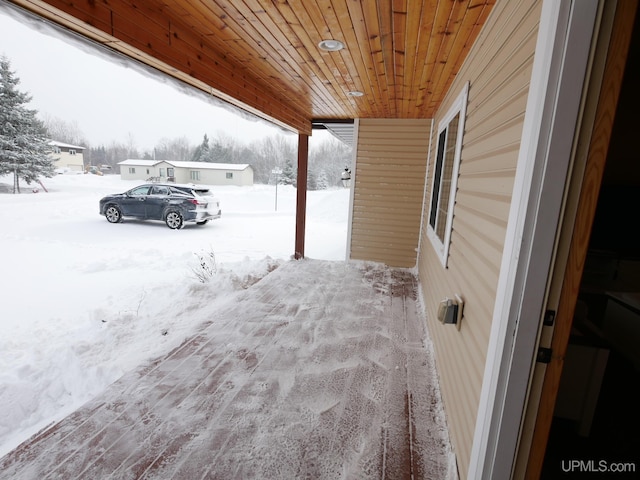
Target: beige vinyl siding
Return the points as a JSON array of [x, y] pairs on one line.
[[391, 158], [66, 160], [499, 70]]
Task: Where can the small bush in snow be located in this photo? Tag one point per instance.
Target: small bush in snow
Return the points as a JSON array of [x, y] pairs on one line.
[[206, 266]]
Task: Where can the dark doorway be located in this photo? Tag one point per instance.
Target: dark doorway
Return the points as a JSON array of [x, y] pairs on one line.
[[597, 416]]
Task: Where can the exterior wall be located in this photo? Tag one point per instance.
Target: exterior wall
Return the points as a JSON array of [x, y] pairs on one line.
[[388, 187], [66, 160], [499, 70], [215, 177], [143, 170]]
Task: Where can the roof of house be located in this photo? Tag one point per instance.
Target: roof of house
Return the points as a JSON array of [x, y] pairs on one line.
[[55, 143], [192, 165], [211, 166], [140, 163]]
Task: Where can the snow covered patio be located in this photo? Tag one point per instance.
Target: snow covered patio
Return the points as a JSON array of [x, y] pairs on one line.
[[319, 370]]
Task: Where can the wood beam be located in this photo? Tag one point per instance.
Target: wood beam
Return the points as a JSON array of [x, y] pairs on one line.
[[301, 199]]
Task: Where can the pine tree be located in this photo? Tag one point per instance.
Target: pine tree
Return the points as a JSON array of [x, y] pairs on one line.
[[24, 147], [203, 151], [322, 181], [289, 173]]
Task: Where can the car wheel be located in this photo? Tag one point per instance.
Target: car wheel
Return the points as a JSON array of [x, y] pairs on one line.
[[174, 220], [203, 222], [113, 214]]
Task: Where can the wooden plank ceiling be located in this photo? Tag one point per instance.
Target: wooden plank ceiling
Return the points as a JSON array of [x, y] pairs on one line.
[[263, 55]]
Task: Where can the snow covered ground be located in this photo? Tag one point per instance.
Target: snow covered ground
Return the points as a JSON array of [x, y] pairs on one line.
[[83, 301]]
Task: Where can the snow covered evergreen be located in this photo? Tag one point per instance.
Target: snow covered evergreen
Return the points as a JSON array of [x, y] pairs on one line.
[[289, 172], [24, 149], [203, 151]]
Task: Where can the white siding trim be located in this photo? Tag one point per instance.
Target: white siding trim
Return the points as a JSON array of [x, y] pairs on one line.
[[459, 107], [562, 57], [354, 157], [424, 193]]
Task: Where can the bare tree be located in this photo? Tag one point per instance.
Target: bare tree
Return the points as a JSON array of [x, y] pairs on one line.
[[177, 149], [131, 146], [278, 151], [113, 154], [64, 131]]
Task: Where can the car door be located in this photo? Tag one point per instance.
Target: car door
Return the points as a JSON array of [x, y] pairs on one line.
[[156, 202], [133, 204]]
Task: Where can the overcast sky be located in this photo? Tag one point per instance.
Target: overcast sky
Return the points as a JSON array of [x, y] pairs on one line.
[[109, 101]]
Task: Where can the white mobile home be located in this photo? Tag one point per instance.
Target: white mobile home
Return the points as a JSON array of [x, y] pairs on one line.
[[187, 172]]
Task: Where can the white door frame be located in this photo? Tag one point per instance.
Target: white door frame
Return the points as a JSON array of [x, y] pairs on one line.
[[553, 109]]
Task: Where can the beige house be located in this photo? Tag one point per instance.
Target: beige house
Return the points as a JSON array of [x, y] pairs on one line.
[[67, 158], [187, 172], [483, 134]]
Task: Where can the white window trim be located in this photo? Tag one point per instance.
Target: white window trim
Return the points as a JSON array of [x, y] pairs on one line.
[[459, 106]]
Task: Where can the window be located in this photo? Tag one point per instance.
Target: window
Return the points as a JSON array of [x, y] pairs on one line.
[[72, 151], [170, 172], [158, 190], [195, 175], [445, 175], [162, 173], [229, 175], [138, 191], [147, 171], [56, 150], [132, 170]]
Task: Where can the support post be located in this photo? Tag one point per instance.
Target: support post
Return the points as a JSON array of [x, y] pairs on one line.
[[301, 199]]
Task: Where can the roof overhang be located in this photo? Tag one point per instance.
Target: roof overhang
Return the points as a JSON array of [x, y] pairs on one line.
[[340, 129], [398, 60]]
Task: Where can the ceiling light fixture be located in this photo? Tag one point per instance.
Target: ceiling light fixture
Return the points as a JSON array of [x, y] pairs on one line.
[[355, 93], [331, 45]]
